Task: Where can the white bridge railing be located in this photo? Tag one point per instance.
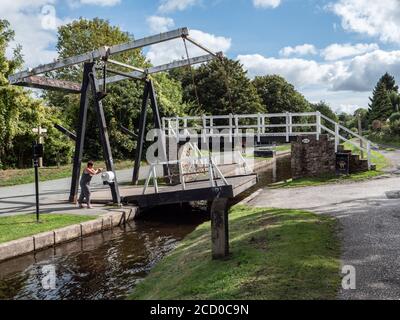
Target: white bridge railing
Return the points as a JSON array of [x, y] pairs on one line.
[[260, 125], [207, 165]]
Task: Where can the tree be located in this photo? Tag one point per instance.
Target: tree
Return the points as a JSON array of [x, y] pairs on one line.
[[363, 114], [222, 88], [277, 95], [19, 113], [395, 100], [380, 107], [325, 109], [123, 103], [390, 82]]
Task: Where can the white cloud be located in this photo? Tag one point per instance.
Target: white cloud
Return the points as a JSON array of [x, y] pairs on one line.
[[168, 6], [36, 37], [159, 24], [339, 51], [301, 50], [358, 74], [374, 18], [266, 3], [174, 50], [102, 3]]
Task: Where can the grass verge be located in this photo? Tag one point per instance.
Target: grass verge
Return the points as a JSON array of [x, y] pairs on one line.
[[276, 254], [14, 177], [378, 159], [20, 226]]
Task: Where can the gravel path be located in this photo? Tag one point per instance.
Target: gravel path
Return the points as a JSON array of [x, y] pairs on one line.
[[370, 227]]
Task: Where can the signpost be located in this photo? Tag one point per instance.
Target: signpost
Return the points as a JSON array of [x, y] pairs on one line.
[[342, 163], [37, 154], [40, 132]]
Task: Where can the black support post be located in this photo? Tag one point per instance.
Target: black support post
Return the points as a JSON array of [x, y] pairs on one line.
[[157, 125], [105, 141], [89, 83], [81, 131], [140, 138]]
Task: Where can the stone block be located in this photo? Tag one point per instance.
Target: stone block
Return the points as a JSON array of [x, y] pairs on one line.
[[67, 234], [90, 227], [16, 248], [44, 240]]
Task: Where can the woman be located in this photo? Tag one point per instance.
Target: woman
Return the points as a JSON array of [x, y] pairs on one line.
[[87, 176]]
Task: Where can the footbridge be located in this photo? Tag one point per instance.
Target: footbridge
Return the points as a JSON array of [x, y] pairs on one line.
[[266, 128]]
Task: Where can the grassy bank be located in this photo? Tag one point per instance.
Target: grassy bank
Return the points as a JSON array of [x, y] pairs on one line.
[[16, 227], [22, 176], [378, 159], [276, 254]]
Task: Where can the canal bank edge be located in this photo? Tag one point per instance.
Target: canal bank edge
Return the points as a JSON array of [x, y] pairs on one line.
[[48, 239]]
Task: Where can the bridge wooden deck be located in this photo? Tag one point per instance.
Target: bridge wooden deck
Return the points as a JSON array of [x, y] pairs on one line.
[[194, 191]]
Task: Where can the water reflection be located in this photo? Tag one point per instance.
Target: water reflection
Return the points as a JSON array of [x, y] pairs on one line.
[[103, 266], [110, 264]]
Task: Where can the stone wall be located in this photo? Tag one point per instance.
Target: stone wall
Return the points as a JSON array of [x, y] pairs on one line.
[[312, 157]]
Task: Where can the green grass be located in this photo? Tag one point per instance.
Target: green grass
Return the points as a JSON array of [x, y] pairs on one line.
[[20, 226], [284, 147], [14, 177], [378, 159], [275, 254]]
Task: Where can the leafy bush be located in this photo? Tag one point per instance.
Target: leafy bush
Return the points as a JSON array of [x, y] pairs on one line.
[[394, 117], [376, 125]]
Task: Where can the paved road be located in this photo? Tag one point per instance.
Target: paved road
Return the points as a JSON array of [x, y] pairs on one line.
[[370, 227]]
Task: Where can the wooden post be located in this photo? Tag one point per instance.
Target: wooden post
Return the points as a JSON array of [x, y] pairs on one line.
[[219, 228]]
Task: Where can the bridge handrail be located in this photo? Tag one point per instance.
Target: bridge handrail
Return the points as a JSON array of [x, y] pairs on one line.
[[173, 126]]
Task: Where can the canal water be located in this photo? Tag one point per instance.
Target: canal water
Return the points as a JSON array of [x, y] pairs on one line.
[[110, 264]]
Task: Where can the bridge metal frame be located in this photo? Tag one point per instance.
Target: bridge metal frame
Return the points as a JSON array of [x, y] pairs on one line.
[[34, 78]]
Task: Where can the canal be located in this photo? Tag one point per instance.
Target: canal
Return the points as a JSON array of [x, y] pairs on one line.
[[110, 264]]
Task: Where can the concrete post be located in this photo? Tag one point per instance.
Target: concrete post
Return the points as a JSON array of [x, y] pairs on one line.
[[219, 228]]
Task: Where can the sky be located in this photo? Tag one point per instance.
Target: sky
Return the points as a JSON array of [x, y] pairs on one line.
[[330, 50]]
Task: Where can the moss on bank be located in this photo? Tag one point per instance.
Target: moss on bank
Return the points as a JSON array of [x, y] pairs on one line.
[[276, 254]]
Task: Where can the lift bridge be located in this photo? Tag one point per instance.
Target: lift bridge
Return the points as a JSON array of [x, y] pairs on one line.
[[199, 177], [213, 185]]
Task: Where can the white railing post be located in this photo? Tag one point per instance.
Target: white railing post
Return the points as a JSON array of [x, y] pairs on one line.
[[259, 128], [177, 129], [290, 124], [237, 125], [210, 169], [263, 124], [337, 137], [182, 176], [230, 127], [155, 179], [287, 127], [369, 154], [318, 124], [185, 126], [204, 129]]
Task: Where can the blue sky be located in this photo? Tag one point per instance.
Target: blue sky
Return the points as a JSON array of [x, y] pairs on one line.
[[332, 50]]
